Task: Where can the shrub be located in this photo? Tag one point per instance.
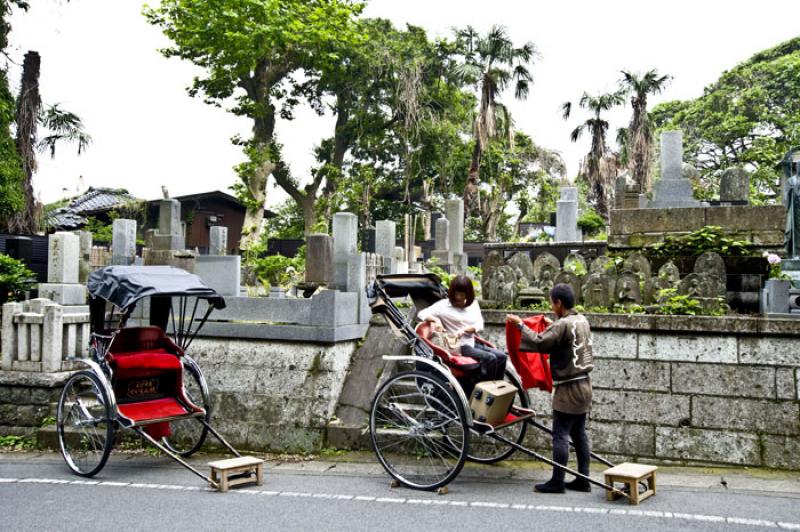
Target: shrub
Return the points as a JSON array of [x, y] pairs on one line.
[[14, 277]]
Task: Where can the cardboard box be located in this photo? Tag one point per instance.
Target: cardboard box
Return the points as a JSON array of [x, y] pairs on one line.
[[491, 401]]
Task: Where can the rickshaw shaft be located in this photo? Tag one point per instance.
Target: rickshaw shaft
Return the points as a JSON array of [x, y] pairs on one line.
[[550, 431], [219, 437], [174, 456], [556, 464]]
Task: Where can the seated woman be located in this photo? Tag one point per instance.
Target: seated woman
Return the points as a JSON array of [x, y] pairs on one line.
[[459, 315]]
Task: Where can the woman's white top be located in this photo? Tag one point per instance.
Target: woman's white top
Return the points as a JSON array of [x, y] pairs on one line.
[[455, 319]]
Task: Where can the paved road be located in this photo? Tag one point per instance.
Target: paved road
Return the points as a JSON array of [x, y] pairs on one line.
[[136, 492]]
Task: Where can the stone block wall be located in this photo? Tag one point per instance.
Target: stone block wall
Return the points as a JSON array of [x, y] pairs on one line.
[[635, 228], [27, 400], [269, 395], [691, 389]]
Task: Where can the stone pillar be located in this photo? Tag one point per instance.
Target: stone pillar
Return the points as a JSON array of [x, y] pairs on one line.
[[399, 260], [123, 243], [408, 237], [85, 260], [319, 258], [169, 217], [218, 240], [52, 338], [9, 338], [454, 209], [672, 154], [567, 215]]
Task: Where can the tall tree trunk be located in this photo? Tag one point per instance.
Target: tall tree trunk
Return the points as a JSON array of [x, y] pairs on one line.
[[308, 205], [640, 144], [28, 106], [341, 143], [596, 181]]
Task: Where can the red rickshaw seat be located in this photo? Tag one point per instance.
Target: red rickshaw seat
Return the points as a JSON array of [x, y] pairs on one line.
[[460, 365]]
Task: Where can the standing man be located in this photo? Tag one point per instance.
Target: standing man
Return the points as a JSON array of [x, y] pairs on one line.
[[568, 341]]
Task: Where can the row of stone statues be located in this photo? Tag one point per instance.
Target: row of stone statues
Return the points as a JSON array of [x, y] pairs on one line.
[[518, 281]]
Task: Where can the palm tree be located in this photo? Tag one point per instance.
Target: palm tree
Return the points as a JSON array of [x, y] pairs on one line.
[[640, 136], [491, 63], [63, 126], [599, 181]]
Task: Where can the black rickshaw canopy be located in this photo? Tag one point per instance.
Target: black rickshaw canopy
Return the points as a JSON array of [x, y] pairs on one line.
[[125, 285]]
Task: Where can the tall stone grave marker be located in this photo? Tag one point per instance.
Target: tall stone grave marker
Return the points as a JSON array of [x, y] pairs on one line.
[[319, 258], [167, 242], [345, 246], [441, 251], [673, 189], [63, 255], [85, 261], [454, 209], [218, 240], [385, 239], [123, 242], [567, 216]]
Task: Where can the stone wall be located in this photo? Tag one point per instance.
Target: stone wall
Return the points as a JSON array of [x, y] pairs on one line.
[[636, 228], [27, 399], [273, 395], [691, 389]]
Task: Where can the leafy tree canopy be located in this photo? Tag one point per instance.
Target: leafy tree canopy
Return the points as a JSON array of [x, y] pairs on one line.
[[750, 117]]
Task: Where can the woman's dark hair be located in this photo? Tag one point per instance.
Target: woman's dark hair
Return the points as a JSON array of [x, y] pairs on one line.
[[461, 283], [563, 293]]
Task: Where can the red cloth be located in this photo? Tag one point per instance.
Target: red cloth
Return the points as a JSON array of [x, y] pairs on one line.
[[533, 368]]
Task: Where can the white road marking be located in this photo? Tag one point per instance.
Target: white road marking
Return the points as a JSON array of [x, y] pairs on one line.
[[764, 523]]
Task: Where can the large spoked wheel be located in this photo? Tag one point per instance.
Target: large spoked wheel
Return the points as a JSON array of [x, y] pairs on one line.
[[85, 424], [419, 430], [487, 450], [188, 435]]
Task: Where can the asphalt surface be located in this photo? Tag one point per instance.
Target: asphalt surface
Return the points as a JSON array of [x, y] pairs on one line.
[[141, 492]]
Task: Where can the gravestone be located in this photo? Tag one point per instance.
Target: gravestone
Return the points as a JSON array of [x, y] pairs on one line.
[[575, 263], [653, 289], [218, 240], [567, 216], [734, 185], [63, 256], [670, 272], [492, 261], [710, 263], [620, 186], [85, 261], [545, 269], [628, 290], [602, 264], [123, 242], [441, 250], [502, 287], [385, 239], [319, 259], [368, 240], [169, 235], [569, 278], [638, 264], [595, 291], [399, 258], [673, 189], [345, 246], [223, 273], [521, 262], [454, 209]]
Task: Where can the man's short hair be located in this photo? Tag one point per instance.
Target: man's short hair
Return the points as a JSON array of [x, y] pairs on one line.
[[563, 293]]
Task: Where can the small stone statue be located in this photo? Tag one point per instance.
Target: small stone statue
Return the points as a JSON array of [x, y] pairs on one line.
[[792, 238], [165, 192]]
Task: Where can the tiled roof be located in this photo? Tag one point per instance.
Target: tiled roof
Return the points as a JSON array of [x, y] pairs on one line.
[[93, 201]]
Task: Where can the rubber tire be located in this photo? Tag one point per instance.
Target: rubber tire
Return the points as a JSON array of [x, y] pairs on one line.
[[444, 387], [110, 428]]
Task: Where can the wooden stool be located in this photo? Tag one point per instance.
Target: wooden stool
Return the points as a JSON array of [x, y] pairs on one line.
[[223, 470], [630, 475]]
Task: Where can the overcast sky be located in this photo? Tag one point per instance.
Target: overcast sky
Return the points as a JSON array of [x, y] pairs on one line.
[[100, 60]]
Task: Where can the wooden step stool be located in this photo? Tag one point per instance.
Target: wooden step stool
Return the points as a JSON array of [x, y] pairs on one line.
[[223, 470], [630, 475]]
